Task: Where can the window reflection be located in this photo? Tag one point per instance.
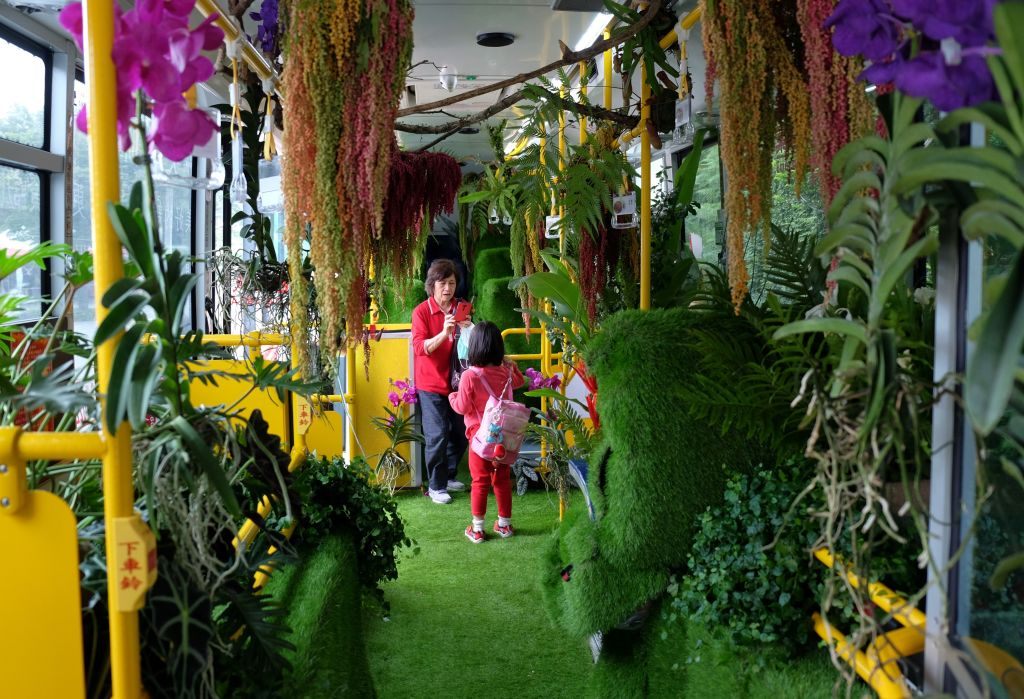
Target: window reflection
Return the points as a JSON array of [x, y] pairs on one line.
[[20, 196], [997, 606], [174, 211], [22, 109]]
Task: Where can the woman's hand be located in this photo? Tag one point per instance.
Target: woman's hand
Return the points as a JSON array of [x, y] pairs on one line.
[[449, 325], [466, 324]]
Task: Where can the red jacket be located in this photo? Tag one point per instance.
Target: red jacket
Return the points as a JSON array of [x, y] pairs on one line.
[[471, 398], [431, 372]]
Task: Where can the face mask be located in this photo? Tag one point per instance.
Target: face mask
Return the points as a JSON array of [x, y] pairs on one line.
[[463, 345]]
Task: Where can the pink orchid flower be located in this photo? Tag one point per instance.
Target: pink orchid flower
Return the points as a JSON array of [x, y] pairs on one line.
[[155, 51]]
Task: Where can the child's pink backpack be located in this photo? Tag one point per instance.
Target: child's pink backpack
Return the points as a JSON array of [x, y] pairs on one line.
[[502, 426]]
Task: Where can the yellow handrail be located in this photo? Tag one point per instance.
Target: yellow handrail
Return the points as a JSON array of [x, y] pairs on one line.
[[118, 490], [249, 53]]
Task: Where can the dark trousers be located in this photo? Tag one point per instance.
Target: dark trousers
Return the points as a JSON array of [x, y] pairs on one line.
[[444, 435]]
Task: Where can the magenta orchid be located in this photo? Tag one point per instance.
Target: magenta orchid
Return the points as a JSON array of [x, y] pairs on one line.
[[155, 51], [404, 393], [538, 380]]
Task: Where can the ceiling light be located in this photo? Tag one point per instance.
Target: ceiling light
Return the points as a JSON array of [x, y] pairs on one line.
[[495, 39], [593, 31]]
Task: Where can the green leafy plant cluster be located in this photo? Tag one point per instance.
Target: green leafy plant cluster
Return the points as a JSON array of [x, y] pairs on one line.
[[749, 570], [336, 497]]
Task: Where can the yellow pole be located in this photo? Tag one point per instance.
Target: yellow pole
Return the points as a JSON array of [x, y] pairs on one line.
[[608, 73], [118, 491], [562, 149], [645, 190], [583, 94]]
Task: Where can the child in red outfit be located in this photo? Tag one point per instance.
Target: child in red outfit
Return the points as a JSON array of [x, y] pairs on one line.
[[486, 351]]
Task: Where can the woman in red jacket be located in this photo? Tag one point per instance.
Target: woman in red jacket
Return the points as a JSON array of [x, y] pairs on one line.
[[433, 341], [486, 351]]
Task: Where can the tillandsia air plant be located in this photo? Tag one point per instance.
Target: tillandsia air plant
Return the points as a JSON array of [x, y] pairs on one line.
[[344, 72], [868, 401], [398, 425]]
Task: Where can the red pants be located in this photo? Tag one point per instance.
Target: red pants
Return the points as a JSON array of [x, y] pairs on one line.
[[487, 474]]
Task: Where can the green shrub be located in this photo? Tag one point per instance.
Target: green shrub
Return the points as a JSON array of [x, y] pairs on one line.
[[497, 303], [738, 580], [491, 263], [336, 498]]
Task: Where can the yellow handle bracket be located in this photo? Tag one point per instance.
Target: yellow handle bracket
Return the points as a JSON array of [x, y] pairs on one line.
[[13, 481]]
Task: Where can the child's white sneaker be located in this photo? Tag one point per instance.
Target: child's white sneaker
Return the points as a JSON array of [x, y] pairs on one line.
[[441, 497]]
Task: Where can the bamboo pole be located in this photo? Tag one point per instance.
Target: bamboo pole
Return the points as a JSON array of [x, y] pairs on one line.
[[118, 489]]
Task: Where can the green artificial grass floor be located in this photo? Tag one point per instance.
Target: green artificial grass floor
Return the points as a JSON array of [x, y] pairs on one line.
[[466, 619]]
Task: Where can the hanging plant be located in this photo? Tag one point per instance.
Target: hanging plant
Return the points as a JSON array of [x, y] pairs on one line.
[[752, 52], [349, 66], [840, 109], [420, 186]]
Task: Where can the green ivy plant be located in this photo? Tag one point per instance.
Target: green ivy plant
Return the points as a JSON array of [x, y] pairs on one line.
[[336, 497]]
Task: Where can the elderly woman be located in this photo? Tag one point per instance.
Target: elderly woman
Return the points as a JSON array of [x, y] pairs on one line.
[[433, 341]]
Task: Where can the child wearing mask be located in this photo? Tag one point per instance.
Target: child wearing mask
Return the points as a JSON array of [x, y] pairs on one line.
[[487, 355]]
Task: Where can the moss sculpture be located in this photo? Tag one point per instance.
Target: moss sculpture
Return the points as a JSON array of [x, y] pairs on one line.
[[655, 471]]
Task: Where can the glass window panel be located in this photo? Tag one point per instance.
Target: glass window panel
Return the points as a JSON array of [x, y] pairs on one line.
[[707, 191], [997, 611], [20, 197], [174, 212], [23, 106]]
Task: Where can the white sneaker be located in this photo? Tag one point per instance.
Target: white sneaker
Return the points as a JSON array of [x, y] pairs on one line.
[[456, 486], [441, 497]]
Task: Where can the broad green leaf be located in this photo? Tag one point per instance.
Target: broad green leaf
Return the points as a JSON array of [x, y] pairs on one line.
[[1005, 568], [179, 296], [127, 308], [35, 255], [838, 326], [200, 451], [990, 373], [1008, 19], [978, 224], [686, 176], [144, 380], [865, 179], [121, 376], [992, 117], [874, 143], [133, 238]]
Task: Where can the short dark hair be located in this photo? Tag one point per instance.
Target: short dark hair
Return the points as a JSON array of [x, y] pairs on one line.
[[486, 348], [439, 269]]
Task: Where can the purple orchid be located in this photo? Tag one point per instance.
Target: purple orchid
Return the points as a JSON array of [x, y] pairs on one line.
[[865, 27], [949, 86], [394, 399], [155, 51], [266, 32], [970, 23], [949, 68]]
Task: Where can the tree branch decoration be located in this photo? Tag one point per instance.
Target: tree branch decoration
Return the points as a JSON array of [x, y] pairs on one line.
[[763, 97], [348, 67], [568, 58]]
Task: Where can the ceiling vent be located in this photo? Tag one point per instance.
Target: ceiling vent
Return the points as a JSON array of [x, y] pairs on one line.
[[578, 5]]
